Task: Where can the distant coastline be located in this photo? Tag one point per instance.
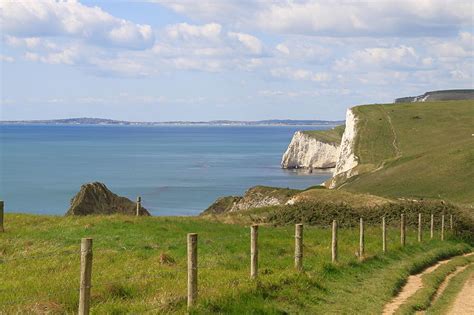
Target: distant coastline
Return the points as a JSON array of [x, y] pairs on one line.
[[101, 121]]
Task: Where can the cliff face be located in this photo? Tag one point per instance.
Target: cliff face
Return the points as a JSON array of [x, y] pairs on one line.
[[305, 151], [96, 198], [346, 160]]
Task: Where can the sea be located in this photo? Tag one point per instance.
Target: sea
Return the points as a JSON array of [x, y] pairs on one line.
[[177, 170]]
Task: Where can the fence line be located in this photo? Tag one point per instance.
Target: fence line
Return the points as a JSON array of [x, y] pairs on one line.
[[384, 235], [420, 236], [334, 242], [192, 269], [253, 251], [402, 230], [2, 205], [432, 226], [299, 247], [192, 256], [442, 227], [86, 276], [361, 239]]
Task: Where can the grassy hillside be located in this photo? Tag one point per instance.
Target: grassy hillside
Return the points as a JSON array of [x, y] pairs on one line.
[[140, 266], [333, 135], [416, 150]]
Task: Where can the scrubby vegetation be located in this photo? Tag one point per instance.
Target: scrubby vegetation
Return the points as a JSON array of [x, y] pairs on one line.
[[322, 213]]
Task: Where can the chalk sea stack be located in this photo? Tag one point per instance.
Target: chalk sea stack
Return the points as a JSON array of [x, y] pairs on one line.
[[96, 198]]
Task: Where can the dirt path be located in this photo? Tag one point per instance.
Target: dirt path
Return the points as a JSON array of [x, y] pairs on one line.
[[464, 303], [446, 281], [414, 283], [395, 139]]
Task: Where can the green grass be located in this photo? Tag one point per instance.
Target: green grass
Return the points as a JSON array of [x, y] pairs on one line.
[[39, 266], [426, 150], [444, 303], [333, 135]]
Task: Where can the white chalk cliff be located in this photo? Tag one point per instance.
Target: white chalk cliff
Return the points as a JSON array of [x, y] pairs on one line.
[[347, 160], [305, 151]]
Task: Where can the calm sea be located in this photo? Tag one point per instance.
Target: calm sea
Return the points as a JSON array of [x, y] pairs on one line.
[[178, 170]]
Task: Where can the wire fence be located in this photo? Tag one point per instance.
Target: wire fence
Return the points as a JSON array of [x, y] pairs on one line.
[[171, 268]]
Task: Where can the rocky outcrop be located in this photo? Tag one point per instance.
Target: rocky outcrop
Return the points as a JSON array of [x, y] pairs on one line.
[[255, 197], [223, 204], [305, 151], [347, 160], [96, 198]]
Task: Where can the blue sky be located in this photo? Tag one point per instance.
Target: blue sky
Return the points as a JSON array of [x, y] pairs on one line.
[[244, 60]]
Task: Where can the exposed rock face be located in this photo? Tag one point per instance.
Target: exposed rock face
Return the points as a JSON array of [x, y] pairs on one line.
[[96, 198], [347, 160], [305, 151], [255, 197]]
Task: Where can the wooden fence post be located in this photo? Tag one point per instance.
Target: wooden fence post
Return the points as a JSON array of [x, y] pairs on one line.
[[361, 239], [253, 251], [451, 224], [420, 232], [402, 229], [442, 227], [192, 269], [299, 247], [334, 241], [86, 276], [1, 216], [432, 226], [384, 235], [139, 205]]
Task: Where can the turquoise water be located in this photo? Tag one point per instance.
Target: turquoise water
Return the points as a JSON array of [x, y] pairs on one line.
[[178, 170]]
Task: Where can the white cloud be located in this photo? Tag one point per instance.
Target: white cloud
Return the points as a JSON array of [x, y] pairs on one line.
[[185, 31], [300, 74], [4, 58], [304, 49], [252, 43], [26, 19], [400, 18], [207, 47], [400, 57], [282, 48], [460, 47]]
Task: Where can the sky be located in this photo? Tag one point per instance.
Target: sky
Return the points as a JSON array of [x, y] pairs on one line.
[[162, 60]]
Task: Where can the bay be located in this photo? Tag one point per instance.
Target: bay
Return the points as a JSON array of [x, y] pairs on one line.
[[177, 170]]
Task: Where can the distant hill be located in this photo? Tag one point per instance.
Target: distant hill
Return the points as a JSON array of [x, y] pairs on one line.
[[418, 151], [442, 95], [102, 121]]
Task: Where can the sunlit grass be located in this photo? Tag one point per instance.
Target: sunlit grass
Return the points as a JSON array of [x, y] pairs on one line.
[[140, 265]]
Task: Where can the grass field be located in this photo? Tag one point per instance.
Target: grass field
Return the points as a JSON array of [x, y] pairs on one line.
[[416, 150], [140, 266], [333, 135]]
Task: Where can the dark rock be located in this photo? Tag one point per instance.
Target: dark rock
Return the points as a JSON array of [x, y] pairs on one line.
[[96, 198]]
